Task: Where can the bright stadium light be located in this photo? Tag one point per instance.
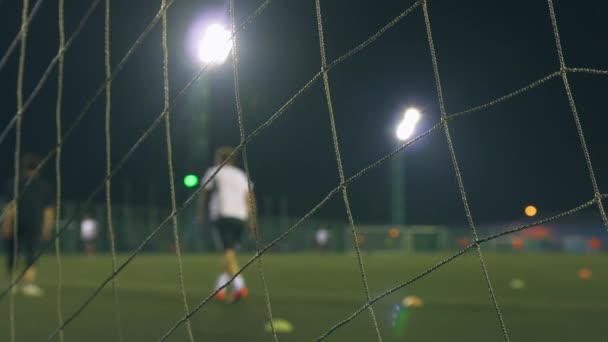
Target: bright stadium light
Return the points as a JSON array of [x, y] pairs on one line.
[[530, 211], [215, 45], [406, 127]]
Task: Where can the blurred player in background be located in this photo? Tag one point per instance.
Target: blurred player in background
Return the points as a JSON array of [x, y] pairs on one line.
[[321, 239], [36, 214], [227, 198], [88, 233]]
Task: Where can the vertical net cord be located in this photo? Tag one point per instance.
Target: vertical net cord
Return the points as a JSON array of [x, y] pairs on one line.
[[334, 135], [108, 72], [166, 110], [58, 166], [251, 197], [575, 115], [444, 121], [20, 73]]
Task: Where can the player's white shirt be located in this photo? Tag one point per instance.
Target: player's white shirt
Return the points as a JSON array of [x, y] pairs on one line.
[[88, 229], [228, 190]]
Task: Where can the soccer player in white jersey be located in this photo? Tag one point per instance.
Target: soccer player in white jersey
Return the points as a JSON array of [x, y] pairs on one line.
[[88, 234], [227, 196]]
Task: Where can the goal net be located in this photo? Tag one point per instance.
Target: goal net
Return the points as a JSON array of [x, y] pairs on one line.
[[360, 238]]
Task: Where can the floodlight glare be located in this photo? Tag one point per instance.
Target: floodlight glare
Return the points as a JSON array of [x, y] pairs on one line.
[[215, 45], [406, 127]]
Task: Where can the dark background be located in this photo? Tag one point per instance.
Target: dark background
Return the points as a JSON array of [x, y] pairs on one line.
[[522, 151]]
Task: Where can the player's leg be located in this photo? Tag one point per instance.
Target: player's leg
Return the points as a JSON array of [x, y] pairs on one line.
[[30, 242], [9, 249], [219, 238], [9, 242], [88, 248], [8, 237], [235, 231]]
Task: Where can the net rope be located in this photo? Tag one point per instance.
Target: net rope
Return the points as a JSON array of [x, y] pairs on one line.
[[458, 173], [575, 115], [336, 145], [61, 28], [108, 183], [344, 182], [20, 73], [251, 199], [167, 111]]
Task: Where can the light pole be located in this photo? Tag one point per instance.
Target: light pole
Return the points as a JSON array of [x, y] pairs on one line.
[[404, 131], [213, 45]]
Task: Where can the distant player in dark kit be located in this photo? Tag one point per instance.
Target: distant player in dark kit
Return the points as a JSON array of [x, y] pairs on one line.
[[227, 196], [36, 215]]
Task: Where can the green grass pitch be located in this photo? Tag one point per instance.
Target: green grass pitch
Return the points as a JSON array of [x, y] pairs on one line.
[[314, 292]]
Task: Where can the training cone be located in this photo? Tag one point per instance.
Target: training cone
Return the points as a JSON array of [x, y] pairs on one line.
[[412, 302], [585, 273], [281, 326], [517, 284]]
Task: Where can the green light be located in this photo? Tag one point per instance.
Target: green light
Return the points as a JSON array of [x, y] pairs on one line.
[[190, 181]]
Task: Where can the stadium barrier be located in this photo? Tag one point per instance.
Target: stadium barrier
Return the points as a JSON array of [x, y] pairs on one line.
[[133, 222]]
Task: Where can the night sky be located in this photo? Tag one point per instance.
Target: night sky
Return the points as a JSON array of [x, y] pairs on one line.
[[525, 150]]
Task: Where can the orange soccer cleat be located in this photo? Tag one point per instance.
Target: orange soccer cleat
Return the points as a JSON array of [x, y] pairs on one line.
[[221, 296], [240, 294]]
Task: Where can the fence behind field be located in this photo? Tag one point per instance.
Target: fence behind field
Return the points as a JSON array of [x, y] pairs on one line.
[[133, 222]]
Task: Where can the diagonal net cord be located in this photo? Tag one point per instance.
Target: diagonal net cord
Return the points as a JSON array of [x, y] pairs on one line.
[[20, 73], [49, 69], [444, 120], [575, 116], [15, 41], [252, 197], [334, 136], [58, 164], [166, 110], [108, 183], [588, 71], [451, 258], [508, 96]]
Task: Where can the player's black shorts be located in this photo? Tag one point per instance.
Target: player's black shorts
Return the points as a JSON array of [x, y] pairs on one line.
[[230, 231], [27, 245]]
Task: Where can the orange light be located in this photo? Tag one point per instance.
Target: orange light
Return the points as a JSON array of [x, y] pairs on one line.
[[463, 242], [595, 243], [530, 211], [518, 243], [394, 233]]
